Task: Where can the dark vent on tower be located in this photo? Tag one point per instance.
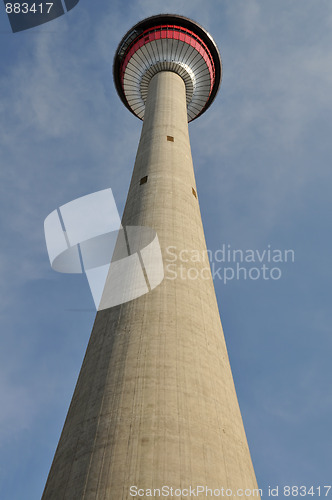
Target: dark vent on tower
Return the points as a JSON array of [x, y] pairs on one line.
[[143, 180]]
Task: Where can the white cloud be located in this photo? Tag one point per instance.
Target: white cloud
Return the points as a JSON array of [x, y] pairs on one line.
[[274, 95]]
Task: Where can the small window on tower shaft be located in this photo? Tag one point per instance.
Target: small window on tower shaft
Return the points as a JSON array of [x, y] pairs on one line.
[[143, 180], [194, 192], [170, 138]]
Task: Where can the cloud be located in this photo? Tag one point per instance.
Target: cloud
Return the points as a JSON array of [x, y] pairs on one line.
[[273, 104]]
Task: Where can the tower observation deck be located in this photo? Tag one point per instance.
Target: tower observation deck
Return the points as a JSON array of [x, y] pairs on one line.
[[167, 43], [155, 404]]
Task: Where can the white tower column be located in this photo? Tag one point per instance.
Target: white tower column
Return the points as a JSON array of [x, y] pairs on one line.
[[155, 403]]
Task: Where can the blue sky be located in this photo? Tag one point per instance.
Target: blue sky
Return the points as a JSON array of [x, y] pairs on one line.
[[262, 156]]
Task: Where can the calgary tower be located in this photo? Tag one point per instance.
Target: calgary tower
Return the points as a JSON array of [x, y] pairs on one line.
[[155, 404]]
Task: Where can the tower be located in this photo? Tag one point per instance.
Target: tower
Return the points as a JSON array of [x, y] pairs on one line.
[[155, 403]]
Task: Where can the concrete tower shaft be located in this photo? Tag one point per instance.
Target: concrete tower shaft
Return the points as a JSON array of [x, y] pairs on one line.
[[155, 403]]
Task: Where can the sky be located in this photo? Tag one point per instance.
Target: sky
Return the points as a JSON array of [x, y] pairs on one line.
[[262, 156]]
